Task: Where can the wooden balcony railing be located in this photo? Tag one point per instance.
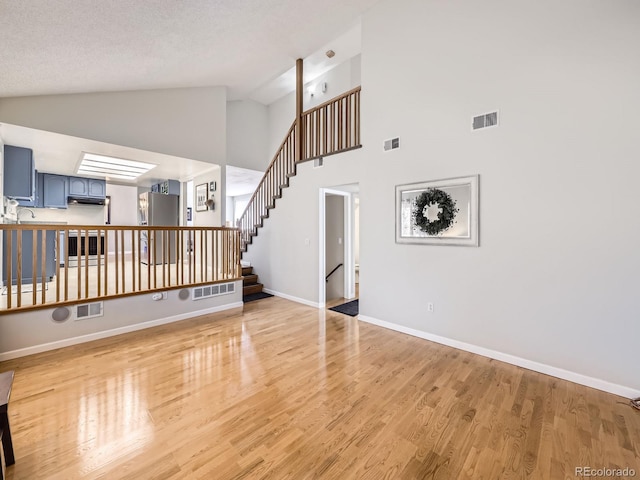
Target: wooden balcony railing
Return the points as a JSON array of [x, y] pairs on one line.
[[327, 129], [40, 269], [332, 127]]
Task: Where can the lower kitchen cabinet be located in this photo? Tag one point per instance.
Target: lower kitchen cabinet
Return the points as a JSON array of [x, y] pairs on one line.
[[27, 256]]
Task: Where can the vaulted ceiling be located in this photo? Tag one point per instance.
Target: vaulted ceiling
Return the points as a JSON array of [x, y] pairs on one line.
[[67, 46]]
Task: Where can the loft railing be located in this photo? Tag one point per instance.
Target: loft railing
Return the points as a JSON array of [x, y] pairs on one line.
[[330, 128], [51, 265]]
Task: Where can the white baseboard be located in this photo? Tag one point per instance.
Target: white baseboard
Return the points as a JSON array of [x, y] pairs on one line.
[[574, 377], [294, 299], [67, 342]]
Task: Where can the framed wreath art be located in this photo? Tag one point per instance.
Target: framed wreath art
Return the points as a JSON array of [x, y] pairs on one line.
[[439, 212]]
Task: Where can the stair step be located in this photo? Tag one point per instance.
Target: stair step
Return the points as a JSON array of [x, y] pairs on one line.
[[249, 289], [249, 279], [247, 271]]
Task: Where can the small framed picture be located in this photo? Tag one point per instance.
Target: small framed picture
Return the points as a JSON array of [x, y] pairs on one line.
[[202, 195], [212, 186], [188, 214]]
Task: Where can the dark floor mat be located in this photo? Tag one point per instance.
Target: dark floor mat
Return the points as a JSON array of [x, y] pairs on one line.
[[349, 308], [256, 296]]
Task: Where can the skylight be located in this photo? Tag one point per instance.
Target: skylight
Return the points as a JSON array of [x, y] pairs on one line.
[[112, 167]]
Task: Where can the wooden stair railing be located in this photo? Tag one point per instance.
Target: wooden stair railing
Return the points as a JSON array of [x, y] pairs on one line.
[[329, 128], [275, 178]]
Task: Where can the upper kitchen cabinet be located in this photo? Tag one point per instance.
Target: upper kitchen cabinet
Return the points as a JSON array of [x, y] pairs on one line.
[[38, 199], [78, 186], [56, 189], [97, 188], [87, 187], [19, 173]]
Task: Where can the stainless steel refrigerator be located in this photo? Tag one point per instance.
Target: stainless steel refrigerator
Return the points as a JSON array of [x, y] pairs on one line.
[[158, 210]]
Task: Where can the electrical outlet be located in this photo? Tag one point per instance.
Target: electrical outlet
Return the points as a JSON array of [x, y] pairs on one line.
[[307, 242], [430, 307]]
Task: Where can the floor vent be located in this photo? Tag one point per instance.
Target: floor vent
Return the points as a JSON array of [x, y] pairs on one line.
[[206, 291], [484, 121], [89, 310], [391, 144]]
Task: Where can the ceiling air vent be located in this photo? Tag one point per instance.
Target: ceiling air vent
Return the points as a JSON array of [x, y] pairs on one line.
[[484, 121], [89, 310], [391, 144], [206, 291]]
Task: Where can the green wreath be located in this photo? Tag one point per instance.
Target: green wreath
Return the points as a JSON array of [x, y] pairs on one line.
[[446, 217]]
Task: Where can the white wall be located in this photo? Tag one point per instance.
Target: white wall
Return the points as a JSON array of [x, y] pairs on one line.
[[124, 211], [209, 218], [554, 280], [186, 122], [356, 229], [280, 251], [247, 135], [72, 215], [334, 245], [35, 331], [281, 113]]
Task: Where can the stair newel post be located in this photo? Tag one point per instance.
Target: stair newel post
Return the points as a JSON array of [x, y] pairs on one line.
[[299, 147]]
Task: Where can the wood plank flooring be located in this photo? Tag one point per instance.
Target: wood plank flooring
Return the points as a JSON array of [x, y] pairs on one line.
[[284, 391]]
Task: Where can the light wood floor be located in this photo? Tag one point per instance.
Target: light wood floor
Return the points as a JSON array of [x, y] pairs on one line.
[[285, 391]]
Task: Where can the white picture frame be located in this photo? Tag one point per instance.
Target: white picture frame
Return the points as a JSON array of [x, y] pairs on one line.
[[457, 223]]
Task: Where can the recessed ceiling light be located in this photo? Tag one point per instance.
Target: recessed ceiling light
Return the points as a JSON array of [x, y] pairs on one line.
[[112, 167]]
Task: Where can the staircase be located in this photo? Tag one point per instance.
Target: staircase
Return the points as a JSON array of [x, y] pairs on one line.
[[330, 128], [250, 282]]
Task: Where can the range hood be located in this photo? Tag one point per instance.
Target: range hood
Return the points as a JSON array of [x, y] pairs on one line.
[[85, 200]]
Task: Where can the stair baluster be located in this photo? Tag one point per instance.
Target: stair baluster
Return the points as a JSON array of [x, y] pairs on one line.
[[327, 129]]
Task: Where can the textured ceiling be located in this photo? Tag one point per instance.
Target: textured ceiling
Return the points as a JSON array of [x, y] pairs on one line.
[[70, 46]]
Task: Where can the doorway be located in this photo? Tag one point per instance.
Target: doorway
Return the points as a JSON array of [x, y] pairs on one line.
[[338, 248]]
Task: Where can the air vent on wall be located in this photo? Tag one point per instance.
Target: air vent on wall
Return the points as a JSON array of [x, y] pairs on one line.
[[391, 144], [89, 310], [484, 121], [206, 291]]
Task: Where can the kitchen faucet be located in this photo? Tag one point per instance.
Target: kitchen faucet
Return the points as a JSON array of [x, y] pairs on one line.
[[33, 215]]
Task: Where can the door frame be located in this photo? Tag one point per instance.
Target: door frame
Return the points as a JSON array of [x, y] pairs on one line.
[[349, 268]]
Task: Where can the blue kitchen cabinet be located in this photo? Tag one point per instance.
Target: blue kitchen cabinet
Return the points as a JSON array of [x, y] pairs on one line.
[[97, 188], [56, 190], [27, 256], [19, 173], [78, 187], [81, 187], [38, 199]]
